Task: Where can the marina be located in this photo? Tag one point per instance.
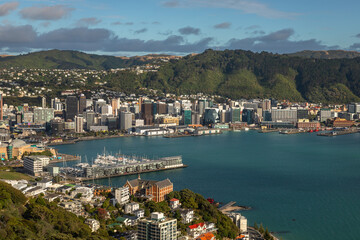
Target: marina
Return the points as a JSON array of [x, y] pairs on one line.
[[105, 166]]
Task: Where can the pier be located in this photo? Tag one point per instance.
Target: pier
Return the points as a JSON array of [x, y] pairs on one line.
[[338, 133], [128, 174]]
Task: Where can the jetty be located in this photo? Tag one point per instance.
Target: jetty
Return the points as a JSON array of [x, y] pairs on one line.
[[338, 133], [230, 207]]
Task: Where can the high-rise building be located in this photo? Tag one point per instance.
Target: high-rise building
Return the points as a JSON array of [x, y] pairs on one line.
[[235, 115], [125, 120], [115, 102], [98, 104], [187, 117], [354, 108], [285, 115], [248, 116], [43, 102], [43, 115], [266, 104], [147, 113], [79, 124], [90, 119], [1, 107], [112, 123], [161, 108], [71, 107], [82, 103], [106, 110], [157, 227], [211, 116]]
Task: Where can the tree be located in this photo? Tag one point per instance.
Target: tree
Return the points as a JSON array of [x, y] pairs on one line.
[[261, 229]]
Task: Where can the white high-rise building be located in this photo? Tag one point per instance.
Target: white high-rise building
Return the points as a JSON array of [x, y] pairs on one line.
[[79, 124]]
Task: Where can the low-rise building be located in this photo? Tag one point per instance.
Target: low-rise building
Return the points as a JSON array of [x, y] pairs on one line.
[[130, 208], [93, 224], [174, 203], [122, 195], [187, 216], [35, 164]]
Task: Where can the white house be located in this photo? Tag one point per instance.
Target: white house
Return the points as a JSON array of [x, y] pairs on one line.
[[174, 203], [93, 224], [187, 216], [131, 207]]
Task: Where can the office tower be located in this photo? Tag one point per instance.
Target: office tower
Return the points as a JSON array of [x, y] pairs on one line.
[[90, 119], [71, 107], [115, 102], [147, 113], [1, 107], [79, 124], [43, 102], [125, 120], [235, 115], [82, 103], [187, 117]]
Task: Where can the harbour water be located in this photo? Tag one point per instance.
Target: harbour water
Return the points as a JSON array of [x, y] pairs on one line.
[[302, 186]]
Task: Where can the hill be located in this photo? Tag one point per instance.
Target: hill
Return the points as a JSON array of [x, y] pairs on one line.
[[244, 74], [56, 59], [332, 54], [23, 218]]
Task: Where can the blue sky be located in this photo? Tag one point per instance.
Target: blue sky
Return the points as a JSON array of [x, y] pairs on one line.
[[122, 27]]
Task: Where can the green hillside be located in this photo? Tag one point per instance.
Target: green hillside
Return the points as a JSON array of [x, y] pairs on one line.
[[332, 54], [244, 74], [230, 73], [67, 60], [21, 218]]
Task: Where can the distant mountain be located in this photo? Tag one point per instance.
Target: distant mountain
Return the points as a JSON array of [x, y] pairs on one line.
[[332, 54], [69, 60]]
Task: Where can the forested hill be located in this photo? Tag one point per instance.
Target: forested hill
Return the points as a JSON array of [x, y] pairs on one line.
[[331, 54], [22, 218], [244, 74], [57, 59]]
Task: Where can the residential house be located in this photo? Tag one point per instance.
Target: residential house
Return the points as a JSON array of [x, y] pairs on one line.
[[130, 208]]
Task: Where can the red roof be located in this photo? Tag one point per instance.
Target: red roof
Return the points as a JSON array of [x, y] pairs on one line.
[[174, 200], [197, 225], [206, 236]]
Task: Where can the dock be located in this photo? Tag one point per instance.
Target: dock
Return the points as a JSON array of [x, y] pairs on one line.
[[127, 173], [338, 133], [65, 158]]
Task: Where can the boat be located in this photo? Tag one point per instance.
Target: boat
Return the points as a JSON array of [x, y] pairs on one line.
[[246, 129]]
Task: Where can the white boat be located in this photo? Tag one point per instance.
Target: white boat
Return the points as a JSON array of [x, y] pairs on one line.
[[246, 129]]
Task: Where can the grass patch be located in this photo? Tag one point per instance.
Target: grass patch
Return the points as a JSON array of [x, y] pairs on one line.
[[14, 176]]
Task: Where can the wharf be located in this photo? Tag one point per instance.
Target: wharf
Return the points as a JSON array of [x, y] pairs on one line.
[[337, 133], [177, 135], [127, 174], [65, 158], [291, 132], [268, 130]]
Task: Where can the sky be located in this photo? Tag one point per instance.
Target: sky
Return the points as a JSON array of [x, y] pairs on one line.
[[181, 27]]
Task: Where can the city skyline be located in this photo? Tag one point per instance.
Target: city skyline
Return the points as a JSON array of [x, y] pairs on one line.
[[176, 27]]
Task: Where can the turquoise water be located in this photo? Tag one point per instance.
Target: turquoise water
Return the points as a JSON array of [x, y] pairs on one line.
[[303, 186]]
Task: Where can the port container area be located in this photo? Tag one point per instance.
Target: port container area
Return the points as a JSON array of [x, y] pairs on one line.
[[133, 168]]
